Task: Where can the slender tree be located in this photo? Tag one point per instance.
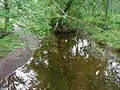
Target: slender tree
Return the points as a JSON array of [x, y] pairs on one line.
[[7, 11], [106, 15], [58, 25]]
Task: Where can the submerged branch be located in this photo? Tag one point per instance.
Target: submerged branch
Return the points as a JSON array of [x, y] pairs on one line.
[[21, 81]]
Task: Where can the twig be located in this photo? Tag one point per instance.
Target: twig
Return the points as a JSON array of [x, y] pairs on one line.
[[76, 35], [59, 7], [74, 18], [21, 81], [104, 51]]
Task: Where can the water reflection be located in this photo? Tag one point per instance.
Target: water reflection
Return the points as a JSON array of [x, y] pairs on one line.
[[65, 63]]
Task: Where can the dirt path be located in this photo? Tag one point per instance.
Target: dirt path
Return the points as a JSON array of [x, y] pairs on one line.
[[17, 58]]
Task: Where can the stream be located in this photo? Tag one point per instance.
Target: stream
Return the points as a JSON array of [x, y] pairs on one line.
[[66, 62]]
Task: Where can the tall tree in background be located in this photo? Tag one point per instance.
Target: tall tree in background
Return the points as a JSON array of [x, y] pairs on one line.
[[7, 11], [106, 14]]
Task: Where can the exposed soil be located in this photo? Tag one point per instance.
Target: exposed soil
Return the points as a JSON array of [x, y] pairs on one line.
[[17, 58]]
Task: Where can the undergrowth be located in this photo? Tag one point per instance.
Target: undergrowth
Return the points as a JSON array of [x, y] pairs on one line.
[[110, 37], [9, 43]]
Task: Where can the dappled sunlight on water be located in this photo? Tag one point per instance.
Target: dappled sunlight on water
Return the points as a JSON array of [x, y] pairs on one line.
[[65, 62]]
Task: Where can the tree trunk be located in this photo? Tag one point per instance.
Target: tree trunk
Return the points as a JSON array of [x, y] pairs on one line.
[[57, 26], [7, 10], [106, 15], [67, 6]]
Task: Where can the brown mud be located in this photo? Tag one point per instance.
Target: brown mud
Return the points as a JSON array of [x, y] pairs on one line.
[[18, 57]]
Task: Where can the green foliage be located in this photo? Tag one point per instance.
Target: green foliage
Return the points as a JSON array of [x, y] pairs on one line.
[[115, 21], [97, 21], [38, 16], [9, 43], [2, 25], [111, 37]]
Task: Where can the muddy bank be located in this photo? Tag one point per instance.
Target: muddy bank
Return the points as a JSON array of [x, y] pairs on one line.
[[12, 62], [109, 49], [17, 58]]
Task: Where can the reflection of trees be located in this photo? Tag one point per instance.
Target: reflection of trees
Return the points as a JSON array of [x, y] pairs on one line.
[[113, 74], [64, 70], [57, 68], [12, 82]]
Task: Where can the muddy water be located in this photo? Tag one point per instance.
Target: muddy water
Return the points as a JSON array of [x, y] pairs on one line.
[[66, 62]]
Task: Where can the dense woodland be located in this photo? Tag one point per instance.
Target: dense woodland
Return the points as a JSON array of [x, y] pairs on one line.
[[101, 18]]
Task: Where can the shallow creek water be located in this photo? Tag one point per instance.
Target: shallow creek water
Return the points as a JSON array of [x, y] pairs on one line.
[[66, 62]]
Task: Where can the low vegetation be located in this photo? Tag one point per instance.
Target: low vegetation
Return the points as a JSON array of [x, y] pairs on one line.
[[9, 43], [101, 18]]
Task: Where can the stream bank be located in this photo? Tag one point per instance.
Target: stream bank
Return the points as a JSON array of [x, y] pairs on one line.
[[18, 57], [67, 62]]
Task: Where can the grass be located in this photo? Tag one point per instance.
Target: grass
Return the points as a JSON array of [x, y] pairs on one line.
[[9, 43], [111, 36]]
